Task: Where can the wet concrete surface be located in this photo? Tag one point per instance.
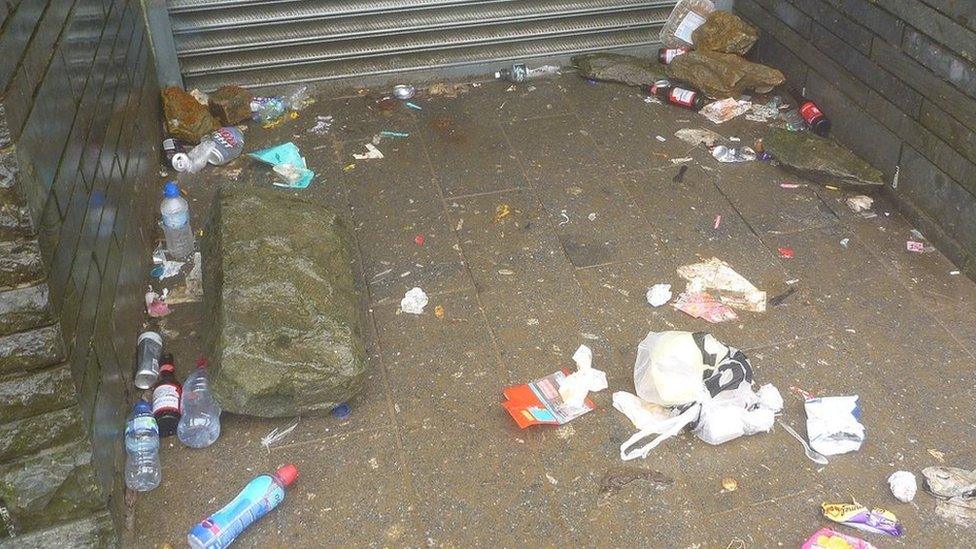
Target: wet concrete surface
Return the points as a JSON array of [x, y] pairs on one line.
[[429, 458]]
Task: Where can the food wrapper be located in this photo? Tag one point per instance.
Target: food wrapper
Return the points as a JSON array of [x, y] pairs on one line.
[[539, 402], [288, 163], [825, 538], [877, 521]]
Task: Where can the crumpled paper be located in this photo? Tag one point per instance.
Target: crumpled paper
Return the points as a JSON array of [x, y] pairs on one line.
[[903, 485], [585, 379], [659, 294], [732, 288], [414, 301], [725, 109]]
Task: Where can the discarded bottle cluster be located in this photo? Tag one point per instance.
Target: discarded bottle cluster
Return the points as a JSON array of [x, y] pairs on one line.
[[188, 410]]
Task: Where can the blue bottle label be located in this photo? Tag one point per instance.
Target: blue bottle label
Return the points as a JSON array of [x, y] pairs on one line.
[[257, 498]]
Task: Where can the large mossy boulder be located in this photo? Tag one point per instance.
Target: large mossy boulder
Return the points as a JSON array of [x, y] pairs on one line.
[[722, 75], [822, 160], [615, 67], [284, 315]]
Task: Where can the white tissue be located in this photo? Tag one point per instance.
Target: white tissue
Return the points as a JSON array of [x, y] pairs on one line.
[[585, 379]]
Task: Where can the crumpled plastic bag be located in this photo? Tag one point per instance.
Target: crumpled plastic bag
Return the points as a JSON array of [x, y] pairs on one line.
[[584, 380], [697, 379], [286, 161], [833, 424]]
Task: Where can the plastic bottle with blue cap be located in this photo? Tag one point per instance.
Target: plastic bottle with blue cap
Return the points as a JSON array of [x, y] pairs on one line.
[[176, 222]]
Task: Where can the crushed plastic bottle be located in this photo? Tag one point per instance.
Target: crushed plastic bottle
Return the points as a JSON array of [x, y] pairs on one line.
[[520, 73], [142, 470], [259, 497], [218, 148], [176, 222], [728, 154], [199, 425]]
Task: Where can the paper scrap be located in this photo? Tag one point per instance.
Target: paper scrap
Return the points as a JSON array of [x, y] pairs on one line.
[[414, 301]]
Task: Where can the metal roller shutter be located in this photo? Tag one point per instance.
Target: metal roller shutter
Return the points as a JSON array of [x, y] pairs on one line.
[[267, 42]]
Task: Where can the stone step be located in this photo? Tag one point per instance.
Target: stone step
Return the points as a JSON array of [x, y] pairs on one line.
[[33, 434], [53, 486], [31, 350], [36, 393], [93, 531], [20, 263], [25, 308]]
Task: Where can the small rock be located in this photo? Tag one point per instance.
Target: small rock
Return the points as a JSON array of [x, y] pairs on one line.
[[186, 118], [231, 105], [725, 32]]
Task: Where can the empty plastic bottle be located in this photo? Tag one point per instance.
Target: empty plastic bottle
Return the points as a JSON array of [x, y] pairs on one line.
[[219, 147], [260, 496], [176, 222], [142, 470], [520, 73], [199, 425]]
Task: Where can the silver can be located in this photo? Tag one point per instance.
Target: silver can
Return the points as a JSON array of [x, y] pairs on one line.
[[149, 348]]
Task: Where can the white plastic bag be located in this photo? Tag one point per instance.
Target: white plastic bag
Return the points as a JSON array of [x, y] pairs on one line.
[[668, 370]]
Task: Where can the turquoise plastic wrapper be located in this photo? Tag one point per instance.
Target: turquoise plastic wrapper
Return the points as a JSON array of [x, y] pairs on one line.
[[288, 163]]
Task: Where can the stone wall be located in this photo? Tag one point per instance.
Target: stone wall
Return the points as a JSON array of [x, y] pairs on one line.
[[79, 134], [898, 80]]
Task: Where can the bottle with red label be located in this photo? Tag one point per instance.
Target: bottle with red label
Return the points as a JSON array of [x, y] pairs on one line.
[[166, 398], [677, 95], [666, 55], [812, 115]]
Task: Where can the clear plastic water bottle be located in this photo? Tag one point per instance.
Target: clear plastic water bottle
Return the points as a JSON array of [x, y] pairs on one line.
[[176, 222], [217, 148], [199, 425], [142, 470]]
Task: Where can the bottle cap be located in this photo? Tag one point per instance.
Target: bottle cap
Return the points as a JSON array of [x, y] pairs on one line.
[[341, 411], [171, 189], [142, 407], [166, 358], [287, 474], [201, 363]]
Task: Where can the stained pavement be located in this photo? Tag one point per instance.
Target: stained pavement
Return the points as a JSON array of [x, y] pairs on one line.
[[428, 457]]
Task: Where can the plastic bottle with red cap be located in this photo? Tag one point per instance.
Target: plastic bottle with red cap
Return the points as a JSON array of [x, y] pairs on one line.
[[260, 496]]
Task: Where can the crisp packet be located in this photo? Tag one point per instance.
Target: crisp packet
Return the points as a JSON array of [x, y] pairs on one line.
[[855, 515], [539, 402], [825, 538]]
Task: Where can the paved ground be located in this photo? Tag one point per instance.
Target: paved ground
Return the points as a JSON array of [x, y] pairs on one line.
[[428, 457]]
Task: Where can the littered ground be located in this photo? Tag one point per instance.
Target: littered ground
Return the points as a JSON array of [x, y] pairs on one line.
[[428, 457]]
